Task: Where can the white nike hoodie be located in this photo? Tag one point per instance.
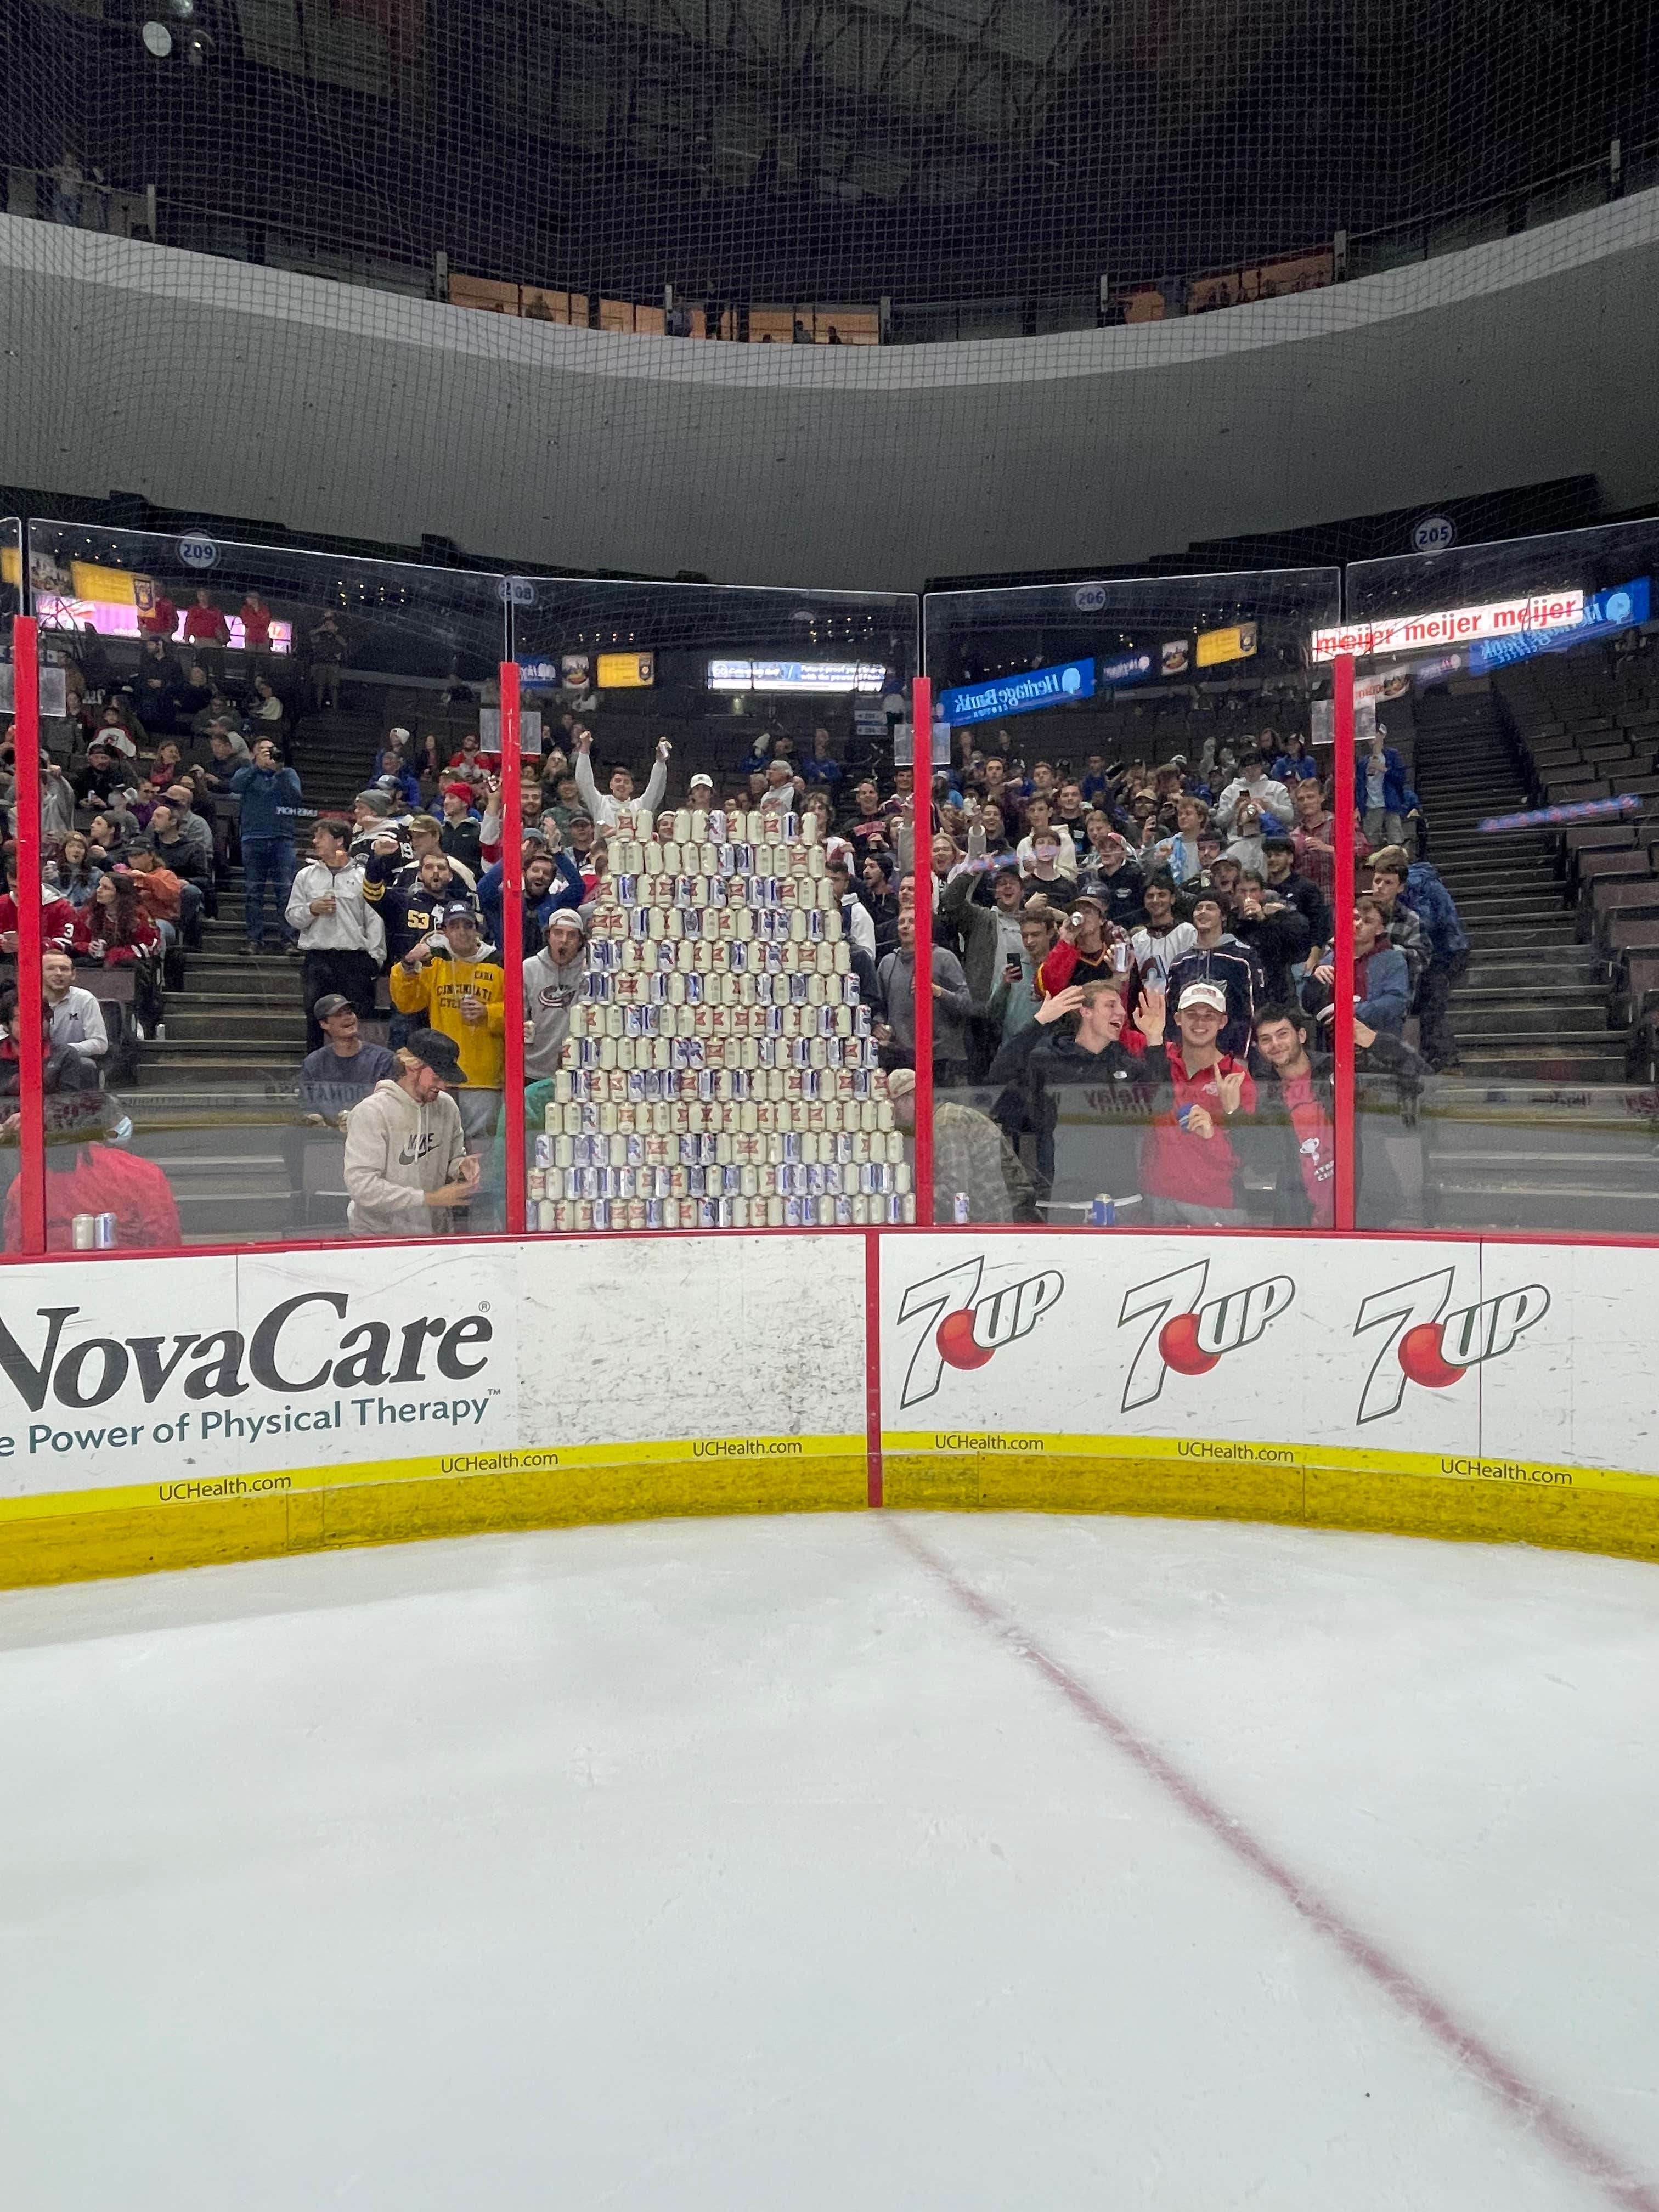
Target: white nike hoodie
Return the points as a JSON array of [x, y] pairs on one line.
[[395, 1150]]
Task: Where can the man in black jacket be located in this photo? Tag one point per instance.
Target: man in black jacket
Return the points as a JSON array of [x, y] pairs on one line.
[[1278, 858], [1086, 1096], [413, 911], [1219, 957], [1275, 933]]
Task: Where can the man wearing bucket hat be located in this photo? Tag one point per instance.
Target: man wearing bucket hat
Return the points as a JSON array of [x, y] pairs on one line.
[[1190, 1167], [406, 1162]]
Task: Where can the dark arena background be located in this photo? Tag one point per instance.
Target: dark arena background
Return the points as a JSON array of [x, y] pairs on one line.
[[1036, 1581]]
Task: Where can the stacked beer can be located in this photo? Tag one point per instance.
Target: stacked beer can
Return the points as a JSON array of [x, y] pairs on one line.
[[720, 1071]]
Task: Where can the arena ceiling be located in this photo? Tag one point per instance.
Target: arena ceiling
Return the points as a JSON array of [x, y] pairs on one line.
[[836, 148]]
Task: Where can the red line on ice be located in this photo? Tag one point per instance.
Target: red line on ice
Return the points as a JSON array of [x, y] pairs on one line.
[[1537, 2110]]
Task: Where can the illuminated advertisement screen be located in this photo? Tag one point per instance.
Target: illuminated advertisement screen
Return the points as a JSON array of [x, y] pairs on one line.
[[627, 671], [111, 619], [1537, 610], [1024, 693], [796, 676], [1237, 642]]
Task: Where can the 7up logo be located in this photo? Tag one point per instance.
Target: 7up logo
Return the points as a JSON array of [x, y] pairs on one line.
[[1424, 1343], [958, 1327]]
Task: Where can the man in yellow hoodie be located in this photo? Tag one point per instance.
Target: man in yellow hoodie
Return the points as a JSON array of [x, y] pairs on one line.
[[454, 983]]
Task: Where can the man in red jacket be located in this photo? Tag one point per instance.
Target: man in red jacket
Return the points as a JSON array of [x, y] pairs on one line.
[[57, 916], [86, 1176], [255, 616], [160, 618], [1191, 1170]]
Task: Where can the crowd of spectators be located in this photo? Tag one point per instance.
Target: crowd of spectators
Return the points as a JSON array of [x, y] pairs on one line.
[[1132, 968], [1130, 965]]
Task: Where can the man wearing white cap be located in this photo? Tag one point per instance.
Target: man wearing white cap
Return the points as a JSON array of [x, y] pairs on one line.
[[1190, 1170], [701, 793], [553, 982]]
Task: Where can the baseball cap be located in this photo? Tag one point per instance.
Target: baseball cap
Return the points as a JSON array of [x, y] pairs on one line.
[[399, 733], [435, 1050], [572, 917], [1092, 892], [458, 790], [1203, 995], [901, 1082], [700, 778], [331, 1002], [458, 910]]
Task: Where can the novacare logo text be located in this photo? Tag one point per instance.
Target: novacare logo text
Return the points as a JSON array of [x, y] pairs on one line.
[[226, 1362]]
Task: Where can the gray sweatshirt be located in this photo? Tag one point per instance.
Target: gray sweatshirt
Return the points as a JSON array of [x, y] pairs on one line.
[[550, 991], [897, 976], [394, 1150]]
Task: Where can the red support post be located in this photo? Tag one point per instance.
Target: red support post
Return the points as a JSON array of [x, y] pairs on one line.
[[874, 1476], [512, 949], [1342, 897], [32, 1054], [921, 880]]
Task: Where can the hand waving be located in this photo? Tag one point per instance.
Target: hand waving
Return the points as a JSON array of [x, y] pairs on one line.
[[1059, 1003]]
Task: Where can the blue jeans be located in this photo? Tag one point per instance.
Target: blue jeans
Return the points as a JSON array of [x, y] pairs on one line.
[[266, 861]]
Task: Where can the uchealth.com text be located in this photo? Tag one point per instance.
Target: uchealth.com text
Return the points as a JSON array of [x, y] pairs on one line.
[[223, 1485]]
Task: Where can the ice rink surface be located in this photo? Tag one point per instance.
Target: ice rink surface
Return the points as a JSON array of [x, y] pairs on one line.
[[974, 1862]]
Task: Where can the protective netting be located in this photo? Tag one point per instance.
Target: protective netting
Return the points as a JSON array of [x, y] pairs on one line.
[[999, 160]]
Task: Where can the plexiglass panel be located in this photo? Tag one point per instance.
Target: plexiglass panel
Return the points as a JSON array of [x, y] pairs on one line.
[[269, 775], [718, 766], [1528, 908], [1132, 897]]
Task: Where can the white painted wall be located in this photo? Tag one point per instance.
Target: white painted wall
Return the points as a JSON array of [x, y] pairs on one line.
[[206, 384]]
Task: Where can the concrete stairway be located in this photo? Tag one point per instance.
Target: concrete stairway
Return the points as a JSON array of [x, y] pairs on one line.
[[215, 1095], [1538, 1129]]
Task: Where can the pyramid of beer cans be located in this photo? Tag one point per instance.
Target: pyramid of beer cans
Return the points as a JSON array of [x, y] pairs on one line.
[[720, 1071]]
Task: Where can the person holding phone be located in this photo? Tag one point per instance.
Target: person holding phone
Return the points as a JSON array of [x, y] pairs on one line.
[[1017, 994]]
